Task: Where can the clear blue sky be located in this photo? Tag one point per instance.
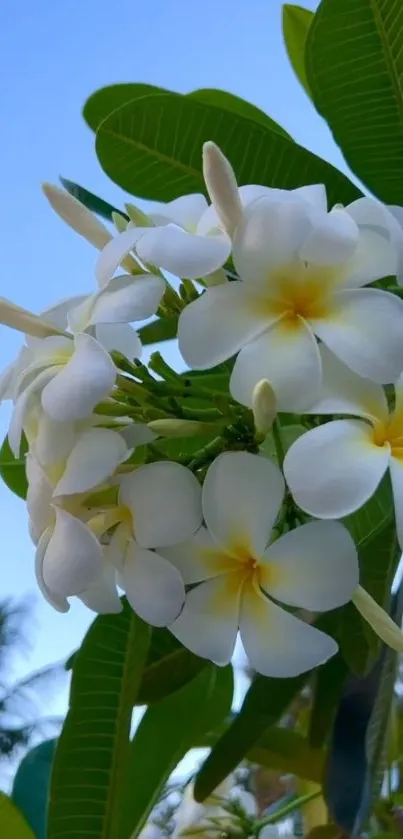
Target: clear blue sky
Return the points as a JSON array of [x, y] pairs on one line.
[[53, 55]]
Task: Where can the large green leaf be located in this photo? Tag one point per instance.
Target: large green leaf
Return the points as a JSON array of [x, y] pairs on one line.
[[159, 330], [230, 102], [354, 64], [166, 732], [152, 147], [296, 25], [12, 469], [169, 666], [91, 757], [91, 202], [264, 704], [31, 786], [288, 751], [12, 823], [328, 686], [107, 99]]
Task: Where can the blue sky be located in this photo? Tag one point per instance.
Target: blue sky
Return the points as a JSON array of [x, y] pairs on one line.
[[53, 56]]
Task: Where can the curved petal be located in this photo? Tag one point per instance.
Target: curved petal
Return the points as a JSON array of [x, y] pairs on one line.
[[396, 474], [314, 567], [287, 355], [153, 587], [184, 211], [332, 240], [58, 602], [223, 320], [165, 501], [102, 596], [270, 236], [208, 623], [344, 392], [73, 557], [54, 440], [183, 254], [125, 299], [121, 337], [92, 460], [276, 643], [381, 240], [242, 495], [334, 469], [39, 497], [87, 378], [365, 331], [23, 406], [200, 558], [137, 434], [111, 256], [57, 314]]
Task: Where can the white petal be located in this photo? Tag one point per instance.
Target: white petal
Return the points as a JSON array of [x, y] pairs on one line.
[[125, 299], [344, 392], [39, 497], [111, 256], [76, 215], [23, 406], [314, 194], [332, 240], [73, 557], [334, 469], [271, 235], [242, 495], [223, 320], [102, 596], [153, 587], [396, 474], [165, 501], [288, 357], [54, 440], [93, 459], [58, 602], [7, 378], [278, 644], [57, 314], [121, 337], [183, 254], [314, 566], [184, 211], [137, 434], [199, 559], [208, 623], [365, 331], [86, 379], [380, 245]]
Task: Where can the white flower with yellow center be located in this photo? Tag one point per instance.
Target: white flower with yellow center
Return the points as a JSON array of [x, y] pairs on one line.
[[242, 575], [335, 468], [302, 272]]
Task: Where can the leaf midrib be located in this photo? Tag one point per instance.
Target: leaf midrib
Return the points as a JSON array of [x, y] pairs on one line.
[[389, 58], [153, 152]]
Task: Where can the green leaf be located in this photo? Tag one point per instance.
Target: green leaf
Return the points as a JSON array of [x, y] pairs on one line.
[[90, 201], [12, 823], [264, 704], [329, 682], [158, 330], [31, 786], [152, 147], [166, 732], [378, 559], [296, 25], [107, 99], [373, 517], [91, 756], [12, 469], [230, 102], [290, 752], [354, 65], [169, 667]]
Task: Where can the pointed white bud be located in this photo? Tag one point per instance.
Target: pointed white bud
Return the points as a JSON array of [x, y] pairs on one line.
[[137, 217], [77, 216], [263, 406], [381, 623], [179, 427], [120, 222], [222, 187], [25, 321]]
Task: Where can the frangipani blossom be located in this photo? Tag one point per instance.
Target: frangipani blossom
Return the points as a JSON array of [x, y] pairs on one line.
[[302, 273], [335, 468], [313, 567]]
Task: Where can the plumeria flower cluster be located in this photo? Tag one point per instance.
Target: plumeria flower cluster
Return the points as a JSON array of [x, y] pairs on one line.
[[214, 538]]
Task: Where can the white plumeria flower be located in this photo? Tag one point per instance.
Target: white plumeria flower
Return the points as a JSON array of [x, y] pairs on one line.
[[313, 567], [192, 815], [335, 468], [301, 275], [158, 504], [70, 376]]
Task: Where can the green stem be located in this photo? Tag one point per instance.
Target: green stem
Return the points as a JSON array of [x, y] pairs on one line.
[[296, 804], [278, 442]]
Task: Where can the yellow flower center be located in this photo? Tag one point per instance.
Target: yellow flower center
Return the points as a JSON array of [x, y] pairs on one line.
[[390, 433], [301, 291]]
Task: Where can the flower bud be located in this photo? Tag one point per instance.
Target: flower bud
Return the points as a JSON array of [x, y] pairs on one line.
[[381, 623], [137, 217], [77, 216], [178, 427], [119, 221], [222, 187], [263, 406]]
